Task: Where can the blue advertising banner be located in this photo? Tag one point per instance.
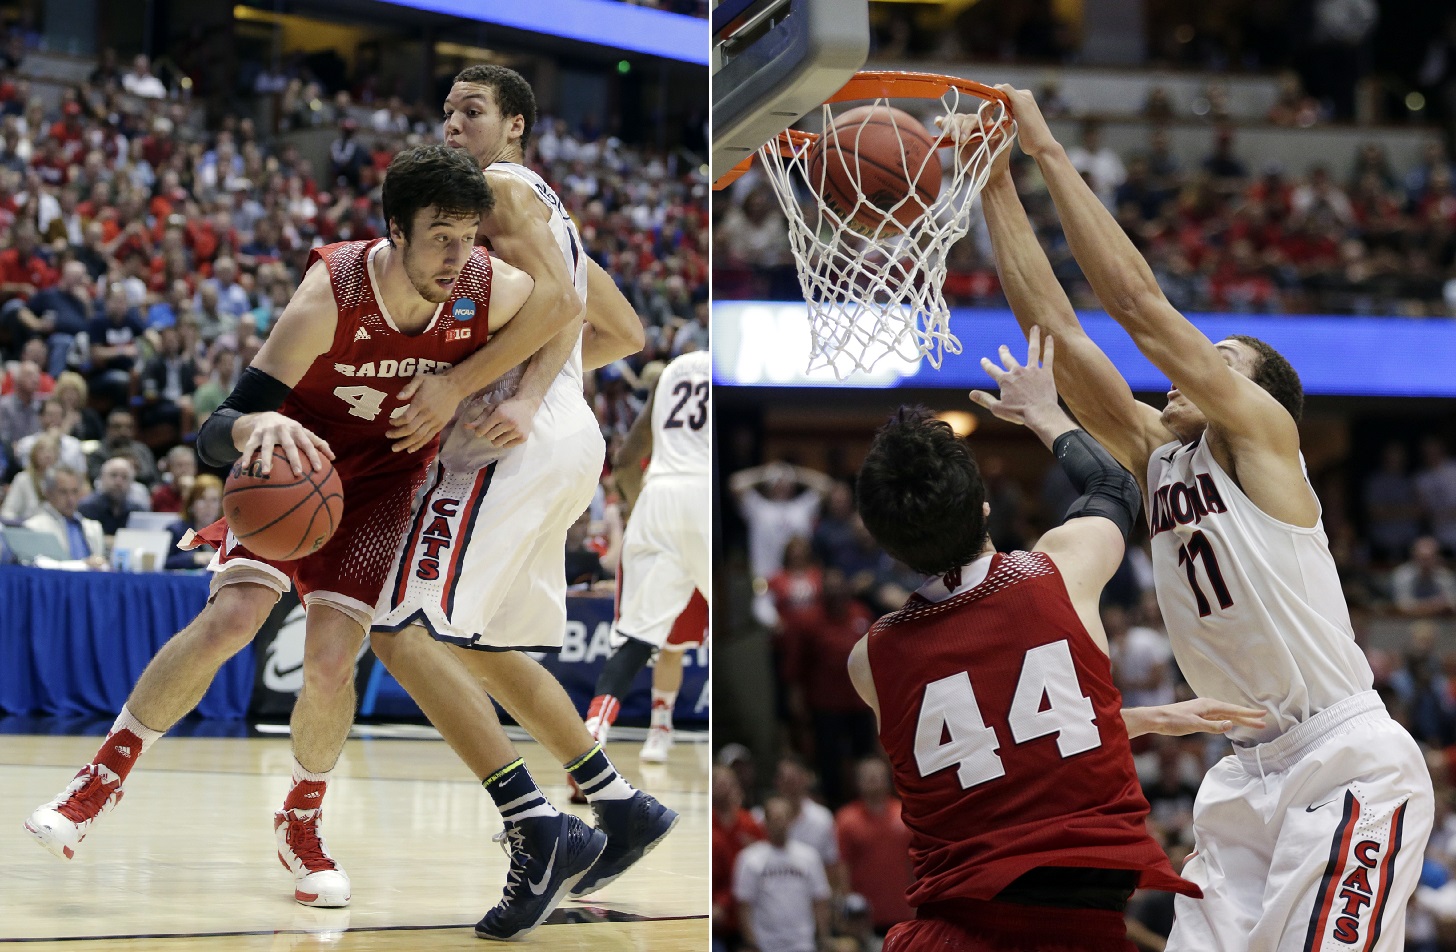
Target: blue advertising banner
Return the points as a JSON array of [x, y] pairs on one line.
[[583, 653]]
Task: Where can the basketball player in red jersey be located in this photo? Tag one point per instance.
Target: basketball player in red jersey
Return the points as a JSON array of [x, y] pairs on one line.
[[366, 315], [994, 693]]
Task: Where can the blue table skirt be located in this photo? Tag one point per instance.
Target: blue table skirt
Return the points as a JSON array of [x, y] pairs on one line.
[[74, 643]]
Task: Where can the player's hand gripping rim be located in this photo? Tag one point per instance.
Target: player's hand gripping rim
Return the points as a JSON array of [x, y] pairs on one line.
[[271, 430], [1026, 392]]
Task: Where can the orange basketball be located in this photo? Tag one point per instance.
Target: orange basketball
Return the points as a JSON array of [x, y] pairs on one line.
[[282, 516], [884, 154]]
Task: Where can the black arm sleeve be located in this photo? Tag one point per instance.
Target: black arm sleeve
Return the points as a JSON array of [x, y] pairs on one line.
[[256, 392], [1107, 489]]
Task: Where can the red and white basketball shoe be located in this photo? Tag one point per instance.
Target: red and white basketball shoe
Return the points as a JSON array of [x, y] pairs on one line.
[[317, 879], [657, 746], [62, 824]]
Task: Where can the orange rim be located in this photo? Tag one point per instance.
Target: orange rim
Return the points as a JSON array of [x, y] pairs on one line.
[[875, 84]]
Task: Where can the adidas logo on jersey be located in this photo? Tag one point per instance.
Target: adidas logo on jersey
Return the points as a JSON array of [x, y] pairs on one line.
[[361, 334], [124, 751], [312, 796]]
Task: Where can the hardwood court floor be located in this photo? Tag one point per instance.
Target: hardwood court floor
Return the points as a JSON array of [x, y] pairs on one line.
[[187, 860]]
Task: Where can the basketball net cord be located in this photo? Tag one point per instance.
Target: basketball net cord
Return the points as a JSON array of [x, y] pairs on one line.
[[875, 291]]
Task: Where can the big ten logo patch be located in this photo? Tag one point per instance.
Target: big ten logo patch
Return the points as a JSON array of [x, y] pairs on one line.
[[458, 333], [1357, 882], [436, 540]]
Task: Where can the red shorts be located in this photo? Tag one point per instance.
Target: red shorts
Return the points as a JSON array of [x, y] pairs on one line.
[[691, 626], [353, 565], [1007, 927]]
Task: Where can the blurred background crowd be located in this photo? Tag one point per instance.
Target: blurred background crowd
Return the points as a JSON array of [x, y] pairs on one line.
[[154, 221], [1283, 157]]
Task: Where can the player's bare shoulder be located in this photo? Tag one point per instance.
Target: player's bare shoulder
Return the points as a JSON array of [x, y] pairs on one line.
[[517, 204]]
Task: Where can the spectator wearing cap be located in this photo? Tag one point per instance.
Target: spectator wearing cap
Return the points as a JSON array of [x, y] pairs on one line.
[[875, 846], [781, 888]]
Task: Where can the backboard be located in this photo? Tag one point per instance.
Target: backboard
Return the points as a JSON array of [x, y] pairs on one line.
[[773, 62]]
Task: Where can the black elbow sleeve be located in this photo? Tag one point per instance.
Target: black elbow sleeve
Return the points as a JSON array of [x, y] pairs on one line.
[[256, 392], [1107, 489]]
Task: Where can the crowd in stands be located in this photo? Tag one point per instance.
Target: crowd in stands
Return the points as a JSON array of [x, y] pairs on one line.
[[1225, 235], [145, 254], [820, 582]]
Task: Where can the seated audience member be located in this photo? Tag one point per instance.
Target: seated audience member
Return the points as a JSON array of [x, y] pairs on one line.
[[201, 506], [111, 505], [58, 314], [20, 409], [24, 499], [52, 420], [115, 340], [1424, 585], [81, 538], [34, 352], [81, 421], [176, 482], [120, 439]]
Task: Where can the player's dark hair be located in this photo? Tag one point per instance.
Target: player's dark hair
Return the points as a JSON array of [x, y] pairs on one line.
[[1276, 375], [921, 494], [434, 176], [513, 94]]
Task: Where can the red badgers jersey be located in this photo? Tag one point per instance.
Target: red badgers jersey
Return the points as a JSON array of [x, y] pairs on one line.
[[1006, 739], [348, 395]]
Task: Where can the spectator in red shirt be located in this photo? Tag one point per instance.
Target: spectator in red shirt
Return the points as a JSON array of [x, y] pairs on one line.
[[733, 829], [796, 587], [23, 270], [821, 697], [874, 846]]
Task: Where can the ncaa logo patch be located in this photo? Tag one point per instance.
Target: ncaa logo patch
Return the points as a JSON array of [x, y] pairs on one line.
[[464, 310]]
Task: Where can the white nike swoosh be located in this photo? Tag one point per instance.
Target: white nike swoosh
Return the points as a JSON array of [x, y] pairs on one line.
[[539, 888]]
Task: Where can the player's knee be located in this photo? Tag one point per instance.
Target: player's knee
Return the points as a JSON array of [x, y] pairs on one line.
[[329, 669], [232, 618]]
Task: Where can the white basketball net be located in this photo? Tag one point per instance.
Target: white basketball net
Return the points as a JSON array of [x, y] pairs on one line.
[[878, 291]]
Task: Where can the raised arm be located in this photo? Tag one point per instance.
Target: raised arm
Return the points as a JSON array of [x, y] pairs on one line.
[[613, 329], [1123, 282], [1088, 547], [1094, 390]]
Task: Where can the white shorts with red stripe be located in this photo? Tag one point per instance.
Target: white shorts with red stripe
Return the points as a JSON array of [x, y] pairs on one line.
[[664, 557], [483, 563], [1312, 842]]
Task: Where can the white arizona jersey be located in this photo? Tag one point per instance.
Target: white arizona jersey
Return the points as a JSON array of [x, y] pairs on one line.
[[1254, 608], [680, 417], [567, 239]]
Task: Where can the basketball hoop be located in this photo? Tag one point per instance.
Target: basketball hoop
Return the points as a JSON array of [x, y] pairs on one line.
[[873, 274]]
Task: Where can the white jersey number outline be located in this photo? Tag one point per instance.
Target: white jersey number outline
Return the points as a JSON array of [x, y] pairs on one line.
[[948, 708]]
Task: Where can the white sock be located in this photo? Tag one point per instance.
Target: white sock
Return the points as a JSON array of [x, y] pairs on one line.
[[662, 705], [300, 774], [126, 721]]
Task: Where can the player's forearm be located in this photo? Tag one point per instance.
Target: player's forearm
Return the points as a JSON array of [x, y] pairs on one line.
[[545, 366], [1031, 287], [1114, 267], [1048, 423], [613, 329], [629, 483], [541, 318]]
